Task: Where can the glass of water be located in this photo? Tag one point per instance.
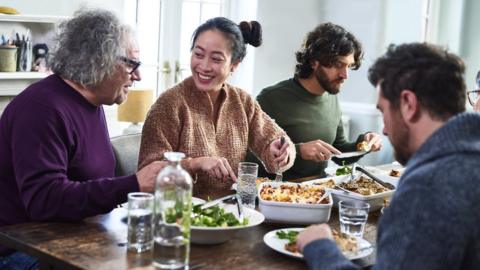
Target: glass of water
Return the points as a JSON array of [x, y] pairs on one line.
[[353, 217], [246, 186], [140, 221]]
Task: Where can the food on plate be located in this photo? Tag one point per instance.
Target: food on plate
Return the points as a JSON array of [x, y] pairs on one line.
[[261, 180], [343, 170], [395, 173], [344, 242], [214, 216], [291, 236], [293, 193], [363, 146], [326, 184], [364, 186]]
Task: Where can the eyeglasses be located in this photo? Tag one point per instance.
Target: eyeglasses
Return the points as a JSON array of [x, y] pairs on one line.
[[473, 96], [131, 64]]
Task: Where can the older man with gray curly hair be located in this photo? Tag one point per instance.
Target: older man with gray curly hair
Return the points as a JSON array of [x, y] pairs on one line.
[[56, 158]]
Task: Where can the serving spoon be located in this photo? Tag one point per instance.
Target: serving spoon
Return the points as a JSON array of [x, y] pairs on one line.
[[374, 178]]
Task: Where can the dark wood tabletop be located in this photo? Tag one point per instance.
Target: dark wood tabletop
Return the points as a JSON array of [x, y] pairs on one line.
[[99, 243]]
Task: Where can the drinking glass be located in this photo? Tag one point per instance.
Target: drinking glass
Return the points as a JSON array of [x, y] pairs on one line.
[[353, 217], [247, 187], [140, 222]]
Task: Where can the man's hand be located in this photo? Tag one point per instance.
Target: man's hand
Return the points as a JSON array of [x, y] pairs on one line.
[[374, 140], [317, 151], [217, 167], [313, 233], [147, 175], [476, 106]]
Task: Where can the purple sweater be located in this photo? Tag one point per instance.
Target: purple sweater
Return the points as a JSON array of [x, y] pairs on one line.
[[56, 160]]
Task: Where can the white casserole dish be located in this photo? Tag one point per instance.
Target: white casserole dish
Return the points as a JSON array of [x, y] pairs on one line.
[[293, 213], [376, 201]]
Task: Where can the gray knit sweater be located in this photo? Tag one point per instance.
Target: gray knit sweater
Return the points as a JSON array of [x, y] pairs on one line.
[[433, 221]]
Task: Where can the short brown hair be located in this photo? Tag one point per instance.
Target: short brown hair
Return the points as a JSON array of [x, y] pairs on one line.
[[431, 72]]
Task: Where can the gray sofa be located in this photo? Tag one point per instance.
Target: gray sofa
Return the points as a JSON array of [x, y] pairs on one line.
[[126, 149]]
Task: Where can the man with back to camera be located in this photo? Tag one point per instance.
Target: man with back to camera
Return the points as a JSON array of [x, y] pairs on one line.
[[432, 221], [306, 106], [56, 159]]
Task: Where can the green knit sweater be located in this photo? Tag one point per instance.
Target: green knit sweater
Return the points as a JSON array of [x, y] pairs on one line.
[[305, 117]]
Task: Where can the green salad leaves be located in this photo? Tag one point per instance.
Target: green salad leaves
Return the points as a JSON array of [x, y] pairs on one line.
[[291, 236], [214, 216], [343, 170]]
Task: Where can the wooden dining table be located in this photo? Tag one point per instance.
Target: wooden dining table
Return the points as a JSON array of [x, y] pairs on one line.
[[100, 243]]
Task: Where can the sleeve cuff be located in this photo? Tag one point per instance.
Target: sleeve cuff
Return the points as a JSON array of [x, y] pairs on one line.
[[297, 148], [126, 184], [324, 254]]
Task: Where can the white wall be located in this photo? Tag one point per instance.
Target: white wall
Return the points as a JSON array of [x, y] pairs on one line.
[[285, 24], [245, 10], [470, 47]]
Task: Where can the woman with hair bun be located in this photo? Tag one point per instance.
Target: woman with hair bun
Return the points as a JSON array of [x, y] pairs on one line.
[[211, 121]]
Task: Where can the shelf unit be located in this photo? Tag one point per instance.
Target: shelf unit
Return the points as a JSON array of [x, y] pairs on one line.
[[42, 30], [32, 18], [22, 75]]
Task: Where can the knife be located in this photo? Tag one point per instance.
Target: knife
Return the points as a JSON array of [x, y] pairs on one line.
[[217, 201], [374, 178], [350, 154]]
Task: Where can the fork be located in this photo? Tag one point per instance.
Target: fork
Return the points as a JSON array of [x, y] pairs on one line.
[[279, 174], [239, 206]]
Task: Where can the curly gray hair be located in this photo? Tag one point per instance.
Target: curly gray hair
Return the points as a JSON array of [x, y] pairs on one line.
[[88, 46]]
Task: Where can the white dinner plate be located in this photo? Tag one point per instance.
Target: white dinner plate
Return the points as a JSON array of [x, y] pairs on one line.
[[271, 239], [216, 235], [350, 154], [332, 170], [195, 201]]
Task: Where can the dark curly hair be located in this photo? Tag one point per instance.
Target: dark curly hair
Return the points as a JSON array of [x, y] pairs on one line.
[[431, 72], [326, 43], [239, 35]]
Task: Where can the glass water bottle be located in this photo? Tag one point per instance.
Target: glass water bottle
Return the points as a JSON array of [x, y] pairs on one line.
[[173, 207]]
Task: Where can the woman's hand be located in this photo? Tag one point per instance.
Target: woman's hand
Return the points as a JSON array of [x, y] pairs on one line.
[[279, 152], [217, 167]]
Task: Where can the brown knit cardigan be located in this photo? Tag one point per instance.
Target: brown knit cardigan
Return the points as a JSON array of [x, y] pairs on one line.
[[182, 120]]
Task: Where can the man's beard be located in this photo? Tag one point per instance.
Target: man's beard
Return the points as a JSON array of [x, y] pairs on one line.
[[327, 85], [400, 138]]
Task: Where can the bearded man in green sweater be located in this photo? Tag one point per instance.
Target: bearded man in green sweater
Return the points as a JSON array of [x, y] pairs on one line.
[[306, 106]]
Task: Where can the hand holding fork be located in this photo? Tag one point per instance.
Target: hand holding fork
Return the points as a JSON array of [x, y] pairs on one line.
[[279, 174]]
